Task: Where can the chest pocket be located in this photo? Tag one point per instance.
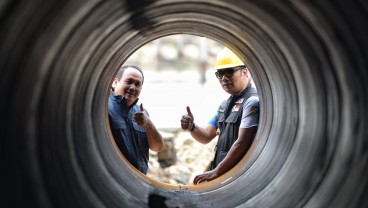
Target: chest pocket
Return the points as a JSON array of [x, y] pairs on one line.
[[139, 128], [118, 123], [233, 117], [121, 124]]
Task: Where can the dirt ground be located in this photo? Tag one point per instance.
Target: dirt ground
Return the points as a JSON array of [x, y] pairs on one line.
[[192, 158]]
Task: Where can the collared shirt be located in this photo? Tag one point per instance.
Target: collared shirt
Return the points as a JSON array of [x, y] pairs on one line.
[[129, 136]]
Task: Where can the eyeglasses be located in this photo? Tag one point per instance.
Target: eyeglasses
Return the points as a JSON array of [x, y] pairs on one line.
[[227, 72]]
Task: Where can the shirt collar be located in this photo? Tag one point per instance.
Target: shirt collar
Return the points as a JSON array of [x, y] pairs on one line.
[[121, 99], [242, 93]]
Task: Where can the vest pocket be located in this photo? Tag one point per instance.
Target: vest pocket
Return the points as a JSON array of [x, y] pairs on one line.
[[233, 117]]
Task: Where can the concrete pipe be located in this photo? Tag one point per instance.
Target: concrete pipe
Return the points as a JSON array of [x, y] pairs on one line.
[[308, 60]]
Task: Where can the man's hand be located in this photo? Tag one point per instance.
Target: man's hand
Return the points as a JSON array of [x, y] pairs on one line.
[[187, 120], [207, 176], [140, 117]]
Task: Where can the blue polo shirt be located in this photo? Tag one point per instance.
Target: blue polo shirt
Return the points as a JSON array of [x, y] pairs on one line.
[[129, 136]]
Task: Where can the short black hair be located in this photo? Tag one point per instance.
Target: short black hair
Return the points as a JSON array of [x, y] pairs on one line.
[[120, 73]]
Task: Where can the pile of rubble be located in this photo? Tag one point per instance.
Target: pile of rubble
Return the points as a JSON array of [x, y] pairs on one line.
[[182, 159]]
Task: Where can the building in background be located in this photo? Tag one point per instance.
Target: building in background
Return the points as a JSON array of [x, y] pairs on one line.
[[177, 53]]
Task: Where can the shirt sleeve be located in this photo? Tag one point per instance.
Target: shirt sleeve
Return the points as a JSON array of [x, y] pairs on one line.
[[250, 115], [214, 119]]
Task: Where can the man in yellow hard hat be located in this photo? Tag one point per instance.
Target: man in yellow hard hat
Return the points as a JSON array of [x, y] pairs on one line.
[[236, 120]]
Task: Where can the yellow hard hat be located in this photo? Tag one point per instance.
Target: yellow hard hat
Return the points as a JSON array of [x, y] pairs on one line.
[[227, 59]]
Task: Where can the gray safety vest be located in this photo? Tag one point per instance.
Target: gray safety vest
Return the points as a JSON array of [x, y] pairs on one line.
[[230, 114]]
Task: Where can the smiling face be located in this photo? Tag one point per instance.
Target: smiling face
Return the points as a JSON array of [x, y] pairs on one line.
[[129, 86], [236, 83]]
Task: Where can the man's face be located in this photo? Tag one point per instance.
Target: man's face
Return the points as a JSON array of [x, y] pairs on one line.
[[233, 80], [129, 86]]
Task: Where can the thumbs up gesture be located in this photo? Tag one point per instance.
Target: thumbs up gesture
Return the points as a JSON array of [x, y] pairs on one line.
[[140, 117], [187, 120]]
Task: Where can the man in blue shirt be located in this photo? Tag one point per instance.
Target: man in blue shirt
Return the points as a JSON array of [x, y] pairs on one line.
[[130, 124], [236, 120]]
